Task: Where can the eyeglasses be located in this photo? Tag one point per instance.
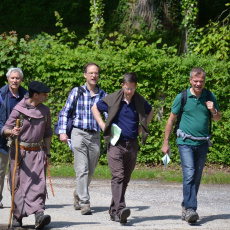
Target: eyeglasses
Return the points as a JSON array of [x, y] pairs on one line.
[[91, 74], [130, 89]]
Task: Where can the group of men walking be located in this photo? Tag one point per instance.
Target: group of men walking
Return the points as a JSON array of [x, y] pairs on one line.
[[125, 108]]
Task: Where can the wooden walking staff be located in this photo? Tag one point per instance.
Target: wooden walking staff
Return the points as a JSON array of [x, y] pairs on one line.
[[48, 168], [15, 168]]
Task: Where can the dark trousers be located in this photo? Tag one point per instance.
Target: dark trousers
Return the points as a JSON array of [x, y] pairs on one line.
[[122, 160]]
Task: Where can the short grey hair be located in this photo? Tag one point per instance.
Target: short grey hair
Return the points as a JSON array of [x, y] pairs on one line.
[[198, 71], [14, 69]]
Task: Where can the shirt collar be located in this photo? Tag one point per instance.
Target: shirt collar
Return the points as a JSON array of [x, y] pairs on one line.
[[204, 94], [12, 96]]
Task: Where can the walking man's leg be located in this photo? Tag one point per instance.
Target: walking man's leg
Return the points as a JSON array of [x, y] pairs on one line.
[[189, 204], [3, 165]]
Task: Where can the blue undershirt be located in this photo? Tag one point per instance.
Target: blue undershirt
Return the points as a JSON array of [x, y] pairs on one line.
[[126, 118]]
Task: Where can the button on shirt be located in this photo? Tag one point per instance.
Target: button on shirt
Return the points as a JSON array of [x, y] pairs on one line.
[[127, 118], [84, 118]]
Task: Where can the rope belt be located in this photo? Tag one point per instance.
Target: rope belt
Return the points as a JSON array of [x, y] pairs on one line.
[[31, 146]]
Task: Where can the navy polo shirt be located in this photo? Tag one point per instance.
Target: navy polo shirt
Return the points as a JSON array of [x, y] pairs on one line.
[[14, 100], [126, 118]]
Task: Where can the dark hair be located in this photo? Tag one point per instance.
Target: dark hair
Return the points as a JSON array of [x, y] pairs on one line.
[[130, 78], [198, 71], [32, 92], [89, 64]]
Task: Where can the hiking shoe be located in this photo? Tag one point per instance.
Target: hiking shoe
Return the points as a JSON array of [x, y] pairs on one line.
[[76, 201], [16, 223], [1, 204], [191, 216], [85, 210], [183, 213], [115, 218], [41, 220], [125, 213]]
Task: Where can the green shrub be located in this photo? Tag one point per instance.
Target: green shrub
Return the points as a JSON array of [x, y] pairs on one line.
[[161, 76]]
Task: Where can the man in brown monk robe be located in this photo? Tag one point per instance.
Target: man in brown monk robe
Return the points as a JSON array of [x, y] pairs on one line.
[[34, 138]]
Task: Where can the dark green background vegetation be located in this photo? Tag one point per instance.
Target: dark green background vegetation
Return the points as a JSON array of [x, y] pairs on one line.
[[57, 58]]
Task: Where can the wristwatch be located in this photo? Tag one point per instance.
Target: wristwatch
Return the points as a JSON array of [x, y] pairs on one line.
[[213, 114]]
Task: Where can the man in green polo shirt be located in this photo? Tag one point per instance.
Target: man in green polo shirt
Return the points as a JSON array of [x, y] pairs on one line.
[[193, 138]]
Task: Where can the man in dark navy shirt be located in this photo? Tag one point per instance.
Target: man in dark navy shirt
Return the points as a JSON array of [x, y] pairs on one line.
[[10, 95], [132, 114]]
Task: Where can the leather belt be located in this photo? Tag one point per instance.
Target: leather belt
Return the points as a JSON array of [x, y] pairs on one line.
[[30, 148], [87, 130]]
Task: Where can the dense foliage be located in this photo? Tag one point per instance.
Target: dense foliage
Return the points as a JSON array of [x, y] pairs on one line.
[[58, 61], [161, 76]]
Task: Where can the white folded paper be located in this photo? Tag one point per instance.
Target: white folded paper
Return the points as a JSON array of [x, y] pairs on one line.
[[116, 132], [69, 143], [166, 159]]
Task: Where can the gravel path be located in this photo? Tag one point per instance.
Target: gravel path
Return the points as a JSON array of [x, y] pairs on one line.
[[153, 206]]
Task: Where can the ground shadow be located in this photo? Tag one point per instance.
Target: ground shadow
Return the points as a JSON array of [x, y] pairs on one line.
[[60, 224], [103, 209], [214, 217], [100, 209], [52, 225], [136, 219], [57, 206]]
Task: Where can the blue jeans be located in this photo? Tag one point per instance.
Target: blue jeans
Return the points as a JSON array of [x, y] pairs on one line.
[[192, 161]]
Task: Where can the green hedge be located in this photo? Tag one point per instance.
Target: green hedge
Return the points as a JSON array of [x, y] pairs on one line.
[[161, 76]]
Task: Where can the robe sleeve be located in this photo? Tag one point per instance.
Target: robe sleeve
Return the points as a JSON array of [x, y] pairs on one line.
[[48, 129]]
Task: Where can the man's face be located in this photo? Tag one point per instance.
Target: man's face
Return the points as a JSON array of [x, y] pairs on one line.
[[14, 81], [197, 82], [41, 97], [92, 75], [129, 89]]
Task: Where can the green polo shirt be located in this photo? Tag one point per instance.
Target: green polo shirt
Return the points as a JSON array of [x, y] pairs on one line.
[[195, 116]]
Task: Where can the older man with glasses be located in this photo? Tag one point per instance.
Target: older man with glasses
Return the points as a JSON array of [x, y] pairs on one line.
[[10, 95], [85, 136]]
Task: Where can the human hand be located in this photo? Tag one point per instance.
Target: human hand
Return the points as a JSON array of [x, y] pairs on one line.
[[63, 137], [165, 148], [210, 106], [15, 131]]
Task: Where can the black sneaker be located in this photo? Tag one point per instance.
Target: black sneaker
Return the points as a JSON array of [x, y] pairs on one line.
[[125, 213], [191, 216], [41, 220], [16, 223]]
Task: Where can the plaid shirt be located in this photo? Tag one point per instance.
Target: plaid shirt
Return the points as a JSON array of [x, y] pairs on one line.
[[84, 118]]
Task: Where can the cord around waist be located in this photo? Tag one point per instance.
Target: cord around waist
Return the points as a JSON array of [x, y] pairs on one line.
[[30, 146]]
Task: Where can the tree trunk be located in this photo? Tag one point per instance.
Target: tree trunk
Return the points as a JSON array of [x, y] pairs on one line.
[[142, 11]]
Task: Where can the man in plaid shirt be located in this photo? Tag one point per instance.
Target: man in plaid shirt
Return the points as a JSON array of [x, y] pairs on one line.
[[85, 136]]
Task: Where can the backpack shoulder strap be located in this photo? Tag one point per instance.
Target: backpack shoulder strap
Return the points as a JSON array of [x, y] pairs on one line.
[[80, 91], [183, 99], [209, 95], [183, 102]]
